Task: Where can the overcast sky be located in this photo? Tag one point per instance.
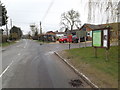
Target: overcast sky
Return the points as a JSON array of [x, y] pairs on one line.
[[26, 12]]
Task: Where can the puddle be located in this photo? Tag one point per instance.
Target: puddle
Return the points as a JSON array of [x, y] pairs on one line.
[[76, 83]]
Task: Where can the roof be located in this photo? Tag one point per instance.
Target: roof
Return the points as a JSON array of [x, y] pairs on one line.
[[60, 32], [50, 32], [74, 30], [93, 27]]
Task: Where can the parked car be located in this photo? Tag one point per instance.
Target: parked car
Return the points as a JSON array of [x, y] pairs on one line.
[[75, 39], [63, 39]]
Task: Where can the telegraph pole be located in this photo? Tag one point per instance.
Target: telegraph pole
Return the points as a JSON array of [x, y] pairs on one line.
[[6, 26], [11, 27]]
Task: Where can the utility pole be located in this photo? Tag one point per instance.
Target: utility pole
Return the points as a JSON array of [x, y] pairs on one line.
[[6, 27], [40, 28]]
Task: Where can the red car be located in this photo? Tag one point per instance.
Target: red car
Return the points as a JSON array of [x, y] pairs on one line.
[[63, 39]]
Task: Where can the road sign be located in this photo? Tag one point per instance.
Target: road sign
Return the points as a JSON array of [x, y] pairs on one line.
[[81, 33]]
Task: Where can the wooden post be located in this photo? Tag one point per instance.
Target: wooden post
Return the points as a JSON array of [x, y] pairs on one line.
[[79, 41], [95, 52], [85, 41], [69, 44], [106, 54]]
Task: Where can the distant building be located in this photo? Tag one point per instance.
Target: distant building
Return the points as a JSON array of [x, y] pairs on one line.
[[50, 33], [73, 32], [59, 34]]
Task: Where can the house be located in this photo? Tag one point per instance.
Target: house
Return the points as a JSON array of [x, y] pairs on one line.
[[73, 32], [50, 33], [59, 34], [89, 27], [50, 36]]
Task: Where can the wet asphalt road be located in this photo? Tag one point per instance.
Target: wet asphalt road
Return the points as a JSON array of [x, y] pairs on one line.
[[27, 64]]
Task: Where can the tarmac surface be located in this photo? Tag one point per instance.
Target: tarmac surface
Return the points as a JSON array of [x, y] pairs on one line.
[[29, 64]]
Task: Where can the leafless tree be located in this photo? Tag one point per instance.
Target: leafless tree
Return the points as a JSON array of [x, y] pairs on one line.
[[106, 10], [70, 19]]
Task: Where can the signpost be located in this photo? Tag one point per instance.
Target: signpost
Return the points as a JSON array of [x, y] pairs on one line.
[[101, 39], [78, 35], [70, 40]]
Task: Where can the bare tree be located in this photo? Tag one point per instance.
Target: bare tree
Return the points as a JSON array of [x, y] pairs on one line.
[[102, 10], [70, 19]]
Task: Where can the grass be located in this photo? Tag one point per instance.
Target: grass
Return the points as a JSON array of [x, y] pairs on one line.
[[7, 43], [104, 73]]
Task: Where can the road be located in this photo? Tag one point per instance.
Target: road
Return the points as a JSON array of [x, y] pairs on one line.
[[27, 64]]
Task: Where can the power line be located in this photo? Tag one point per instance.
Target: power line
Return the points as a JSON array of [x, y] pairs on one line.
[[48, 10]]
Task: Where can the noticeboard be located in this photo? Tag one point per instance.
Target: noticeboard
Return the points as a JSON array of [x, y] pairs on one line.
[[97, 38], [101, 38]]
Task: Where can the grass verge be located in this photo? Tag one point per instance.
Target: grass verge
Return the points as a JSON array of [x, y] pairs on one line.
[[103, 73], [7, 43]]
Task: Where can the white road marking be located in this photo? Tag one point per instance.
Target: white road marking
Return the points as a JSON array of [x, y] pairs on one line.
[[25, 44], [19, 45], [6, 69], [50, 53], [11, 62]]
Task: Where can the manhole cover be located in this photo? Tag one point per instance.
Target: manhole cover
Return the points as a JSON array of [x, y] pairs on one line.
[[75, 83]]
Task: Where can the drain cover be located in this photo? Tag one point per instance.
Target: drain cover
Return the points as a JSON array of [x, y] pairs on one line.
[[75, 83]]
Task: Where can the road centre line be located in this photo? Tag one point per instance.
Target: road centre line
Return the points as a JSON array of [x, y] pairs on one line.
[[25, 44]]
